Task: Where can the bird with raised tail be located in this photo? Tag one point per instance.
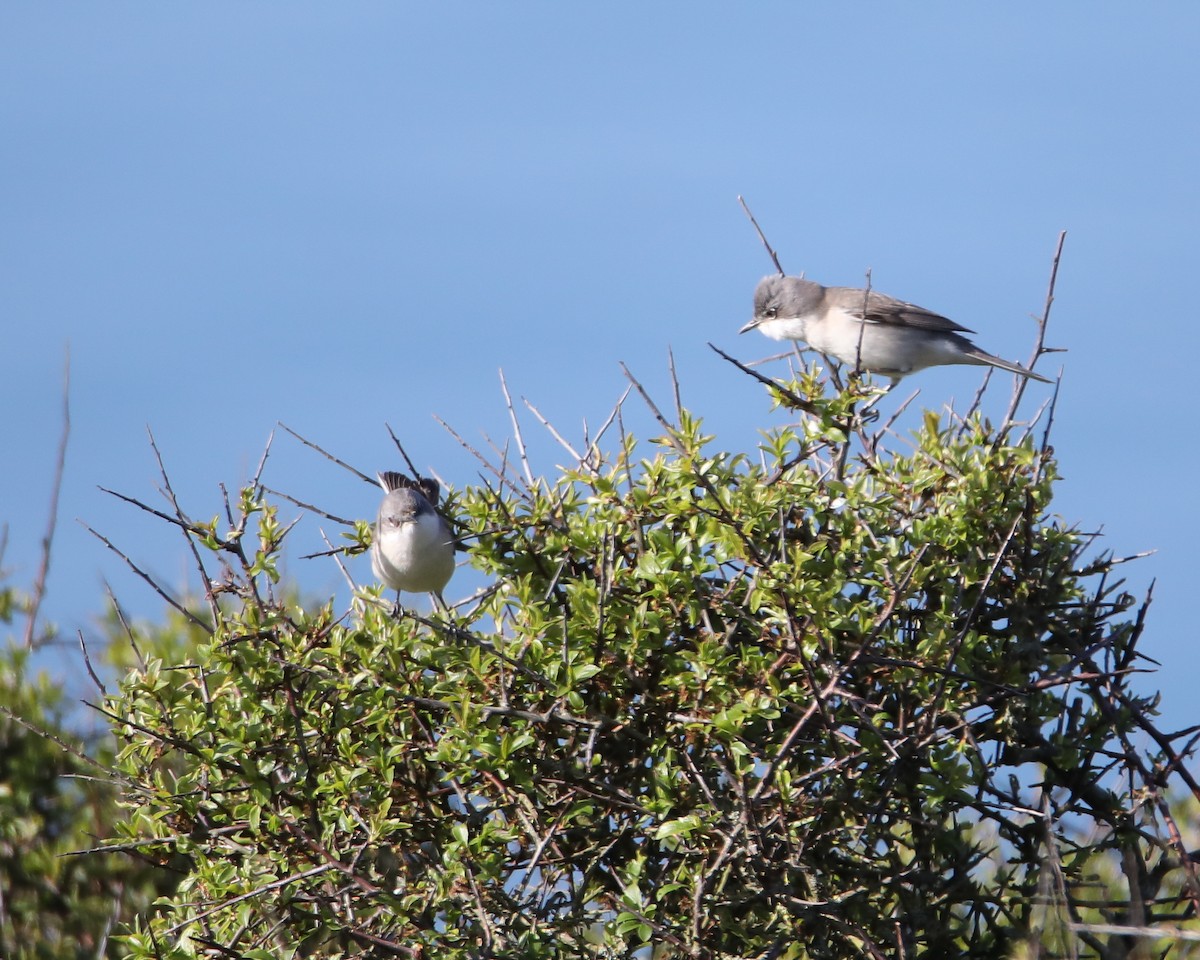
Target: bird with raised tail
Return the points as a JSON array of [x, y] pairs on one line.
[[413, 546], [866, 330]]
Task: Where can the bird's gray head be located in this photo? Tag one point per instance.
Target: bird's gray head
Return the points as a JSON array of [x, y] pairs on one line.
[[782, 305], [407, 499], [404, 506]]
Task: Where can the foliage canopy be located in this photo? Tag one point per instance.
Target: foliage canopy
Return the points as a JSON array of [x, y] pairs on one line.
[[845, 701]]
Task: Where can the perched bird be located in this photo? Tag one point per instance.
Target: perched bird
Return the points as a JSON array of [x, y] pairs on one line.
[[868, 331], [413, 548]]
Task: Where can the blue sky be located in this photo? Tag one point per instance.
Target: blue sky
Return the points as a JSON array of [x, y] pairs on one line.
[[338, 215]]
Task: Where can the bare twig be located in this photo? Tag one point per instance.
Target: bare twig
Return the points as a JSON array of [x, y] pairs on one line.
[[88, 663], [329, 456], [787, 394], [891, 421], [180, 521], [671, 429], [39, 584], [501, 453], [186, 525], [309, 507], [612, 416], [674, 384], [977, 400], [149, 580], [334, 552], [399, 446], [256, 483], [68, 748], [498, 474], [862, 327], [1052, 408], [554, 433], [1039, 344], [124, 621], [516, 425], [761, 235]]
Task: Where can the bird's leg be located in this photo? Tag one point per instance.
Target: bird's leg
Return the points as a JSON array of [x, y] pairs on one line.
[[895, 381]]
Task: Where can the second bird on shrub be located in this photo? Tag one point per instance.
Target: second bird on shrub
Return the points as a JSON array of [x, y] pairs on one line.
[[866, 330]]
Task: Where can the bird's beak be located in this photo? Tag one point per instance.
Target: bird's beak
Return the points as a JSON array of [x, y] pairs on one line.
[[750, 326]]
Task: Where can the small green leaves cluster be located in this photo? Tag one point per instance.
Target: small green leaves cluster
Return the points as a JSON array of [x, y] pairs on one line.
[[797, 706]]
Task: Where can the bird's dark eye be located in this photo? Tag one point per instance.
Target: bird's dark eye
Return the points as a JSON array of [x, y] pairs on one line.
[[771, 312]]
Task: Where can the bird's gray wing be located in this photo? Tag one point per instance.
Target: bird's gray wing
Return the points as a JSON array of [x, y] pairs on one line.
[[431, 488], [881, 308]]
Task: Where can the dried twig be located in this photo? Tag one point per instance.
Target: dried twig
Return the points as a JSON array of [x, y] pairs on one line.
[[403, 453], [309, 507], [670, 429], [612, 416], [498, 474], [87, 660], [68, 748], [516, 425], [674, 384], [39, 583], [124, 621], [792, 398], [329, 456], [149, 580], [1039, 347], [761, 235], [334, 552], [554, 433], [187, 526]]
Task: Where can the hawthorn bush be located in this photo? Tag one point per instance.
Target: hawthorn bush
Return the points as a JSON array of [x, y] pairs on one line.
[[850, 697]]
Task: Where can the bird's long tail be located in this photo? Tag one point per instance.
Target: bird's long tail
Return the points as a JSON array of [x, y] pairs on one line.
[[986, 359]]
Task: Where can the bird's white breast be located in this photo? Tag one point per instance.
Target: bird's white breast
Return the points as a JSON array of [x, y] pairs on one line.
[[415, 556], [839, 334], [786, 328]]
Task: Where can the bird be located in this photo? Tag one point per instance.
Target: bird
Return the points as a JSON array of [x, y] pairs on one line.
[[867, 330], [413, 546]]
